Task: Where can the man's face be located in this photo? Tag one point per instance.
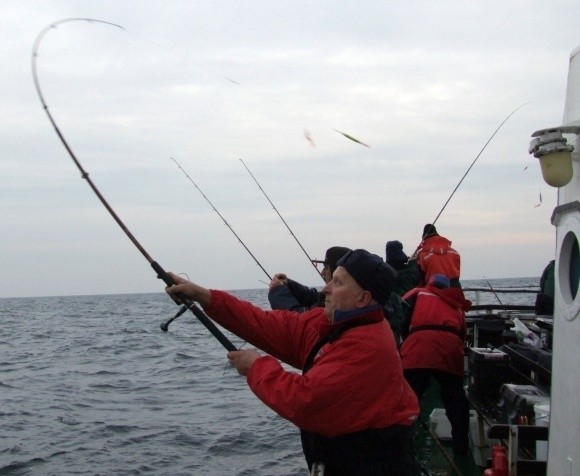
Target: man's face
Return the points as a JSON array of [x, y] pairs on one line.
[[326, 274], [342, 293]]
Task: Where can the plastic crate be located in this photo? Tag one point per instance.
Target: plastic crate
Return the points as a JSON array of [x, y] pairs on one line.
[[487, 370]]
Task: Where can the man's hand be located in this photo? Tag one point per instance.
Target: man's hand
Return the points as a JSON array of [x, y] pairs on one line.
[[184, 288], [242, 360], [278, 280]]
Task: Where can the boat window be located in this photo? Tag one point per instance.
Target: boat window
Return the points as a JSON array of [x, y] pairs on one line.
[[574, 274]]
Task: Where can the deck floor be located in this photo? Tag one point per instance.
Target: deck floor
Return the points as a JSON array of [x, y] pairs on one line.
[[429, 453]]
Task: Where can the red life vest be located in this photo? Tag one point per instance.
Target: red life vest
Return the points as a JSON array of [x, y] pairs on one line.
[[436, 332], [436, 256]]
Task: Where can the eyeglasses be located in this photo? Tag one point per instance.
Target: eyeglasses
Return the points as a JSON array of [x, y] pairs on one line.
[[324, 265]]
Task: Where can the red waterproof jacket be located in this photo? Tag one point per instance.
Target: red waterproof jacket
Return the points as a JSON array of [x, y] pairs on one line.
[[436, 256], [354, 383], [437, 330]]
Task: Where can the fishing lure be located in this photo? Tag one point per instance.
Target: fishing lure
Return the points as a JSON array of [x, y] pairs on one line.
[[354, 139], [308, 137], [540, 202]]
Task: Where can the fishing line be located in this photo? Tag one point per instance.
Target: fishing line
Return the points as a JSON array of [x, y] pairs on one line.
[[161, 274], [281, 218], [223, 219]]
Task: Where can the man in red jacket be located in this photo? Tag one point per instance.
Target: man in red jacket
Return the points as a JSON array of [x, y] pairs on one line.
[[352, 404], [434, 348], [436, 256]]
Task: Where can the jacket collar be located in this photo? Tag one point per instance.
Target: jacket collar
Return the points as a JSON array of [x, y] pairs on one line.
[[375, 312]]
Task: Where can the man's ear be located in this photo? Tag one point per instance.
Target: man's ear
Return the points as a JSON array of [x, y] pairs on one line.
[[364, 299]]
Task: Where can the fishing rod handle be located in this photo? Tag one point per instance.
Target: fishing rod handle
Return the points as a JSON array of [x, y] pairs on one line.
[[165, 325], [206, 321], [162, 274]]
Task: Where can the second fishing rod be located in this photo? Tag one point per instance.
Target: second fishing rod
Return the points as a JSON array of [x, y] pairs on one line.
[[282, 218]]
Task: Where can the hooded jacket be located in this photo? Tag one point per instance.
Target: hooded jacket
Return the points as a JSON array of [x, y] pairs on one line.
[[437, 330], [436, 256]]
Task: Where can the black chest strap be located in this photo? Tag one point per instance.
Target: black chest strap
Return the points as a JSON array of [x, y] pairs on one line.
[[332, 337], [436, 327]]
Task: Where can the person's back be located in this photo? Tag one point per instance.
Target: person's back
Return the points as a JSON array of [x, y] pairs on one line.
[[398, 313], [437, 329], [434, 348], [408, 272], [436, 256], [545, 297]]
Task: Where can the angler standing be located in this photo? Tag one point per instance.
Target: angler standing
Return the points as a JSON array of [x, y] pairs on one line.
[[352, 404], [434, 348]]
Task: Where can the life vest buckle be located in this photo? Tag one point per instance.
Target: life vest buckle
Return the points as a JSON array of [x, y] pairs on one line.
[[317, 469]]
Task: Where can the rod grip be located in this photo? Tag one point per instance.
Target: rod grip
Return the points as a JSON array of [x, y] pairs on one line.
[[223, 340], [162, 274]]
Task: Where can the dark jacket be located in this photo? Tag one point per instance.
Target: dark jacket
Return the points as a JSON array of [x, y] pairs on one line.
[[545, 297], [295, 297], [408, 276]]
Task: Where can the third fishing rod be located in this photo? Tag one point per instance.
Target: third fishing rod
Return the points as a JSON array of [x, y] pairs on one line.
[[472, 164], [475, 160], [281, 218]]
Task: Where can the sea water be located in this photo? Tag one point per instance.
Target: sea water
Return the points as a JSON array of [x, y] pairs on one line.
[[91, 385]]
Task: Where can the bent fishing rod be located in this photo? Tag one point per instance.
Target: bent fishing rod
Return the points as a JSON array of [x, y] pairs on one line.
[[281, 218], [473, 163], [161, 274], [223, 219]]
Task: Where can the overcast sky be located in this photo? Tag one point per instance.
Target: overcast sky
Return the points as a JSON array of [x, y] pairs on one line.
[[423, 83]]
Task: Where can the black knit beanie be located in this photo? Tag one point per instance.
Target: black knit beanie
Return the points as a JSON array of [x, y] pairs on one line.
[[371, 273], [429, 230]]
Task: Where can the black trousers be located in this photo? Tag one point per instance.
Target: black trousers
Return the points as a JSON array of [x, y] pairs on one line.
[[453, 398], [371, 452]]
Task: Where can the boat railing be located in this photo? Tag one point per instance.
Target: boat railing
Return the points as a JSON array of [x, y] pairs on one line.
[[493, 312], [481, 297]]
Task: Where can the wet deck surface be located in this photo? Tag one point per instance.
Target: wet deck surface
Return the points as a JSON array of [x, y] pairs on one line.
[[430, 454]]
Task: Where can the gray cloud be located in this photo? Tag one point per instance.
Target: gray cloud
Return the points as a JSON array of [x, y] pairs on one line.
[[425, 84]]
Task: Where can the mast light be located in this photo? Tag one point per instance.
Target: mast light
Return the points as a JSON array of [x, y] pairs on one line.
[[555, 153]]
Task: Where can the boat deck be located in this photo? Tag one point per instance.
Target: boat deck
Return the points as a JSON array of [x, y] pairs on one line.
[[490, 327]]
